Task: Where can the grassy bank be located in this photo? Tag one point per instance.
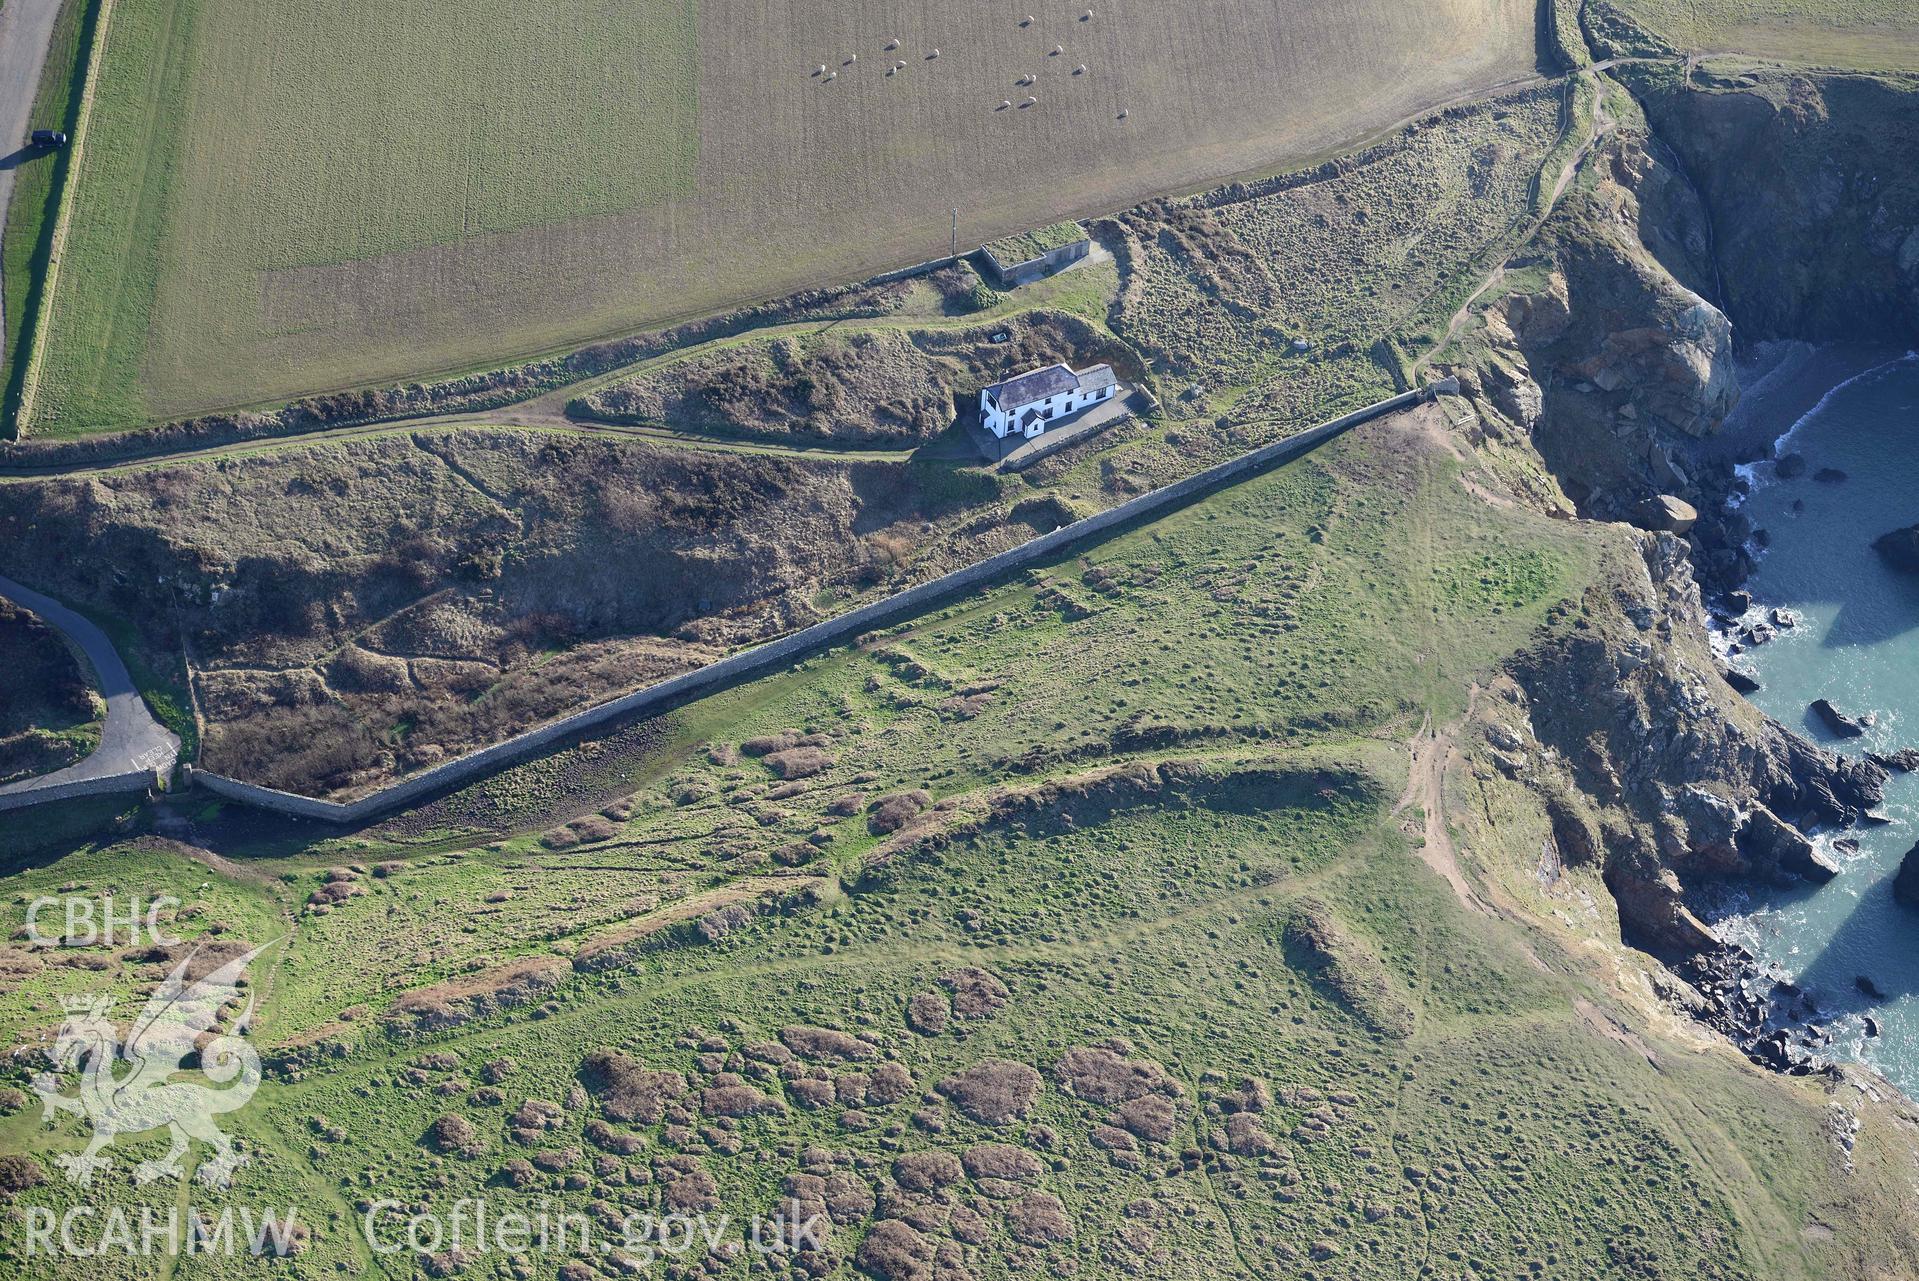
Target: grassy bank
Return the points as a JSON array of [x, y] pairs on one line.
[[1860, 35], [36, 195]]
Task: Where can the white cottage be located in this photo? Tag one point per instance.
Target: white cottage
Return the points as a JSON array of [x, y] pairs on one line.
[[1029, 404]]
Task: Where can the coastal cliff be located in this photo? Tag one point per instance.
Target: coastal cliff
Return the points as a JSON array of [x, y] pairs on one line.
[[1811, 184], [1621, 363], [1721, 213], [1687, 781]]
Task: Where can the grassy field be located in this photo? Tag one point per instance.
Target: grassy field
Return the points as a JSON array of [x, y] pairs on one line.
[[1152, 981], [235, 146], [283, 198], [30, 212], [1866, 35]]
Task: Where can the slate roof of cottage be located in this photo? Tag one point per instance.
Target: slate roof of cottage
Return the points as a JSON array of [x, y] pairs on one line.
[[1097, 377], [1030, 388]]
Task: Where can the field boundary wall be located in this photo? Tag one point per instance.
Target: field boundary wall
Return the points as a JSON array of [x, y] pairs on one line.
[[811, 640]]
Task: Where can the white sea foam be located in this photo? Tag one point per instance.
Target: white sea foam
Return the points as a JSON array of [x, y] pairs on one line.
[[1825, 402], [1758, 474]]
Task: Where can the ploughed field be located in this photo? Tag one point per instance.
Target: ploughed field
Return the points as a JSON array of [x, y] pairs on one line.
[[279, 198]]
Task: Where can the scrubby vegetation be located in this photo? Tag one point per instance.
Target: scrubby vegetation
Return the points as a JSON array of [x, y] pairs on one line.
[[360, 611], [1220, 287], [867, 386], [49, 716]]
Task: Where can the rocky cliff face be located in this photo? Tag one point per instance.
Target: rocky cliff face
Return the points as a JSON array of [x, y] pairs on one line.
[[1785, 206], [1688, 781], [1772, 206], [1811, 185], [1620, 364]]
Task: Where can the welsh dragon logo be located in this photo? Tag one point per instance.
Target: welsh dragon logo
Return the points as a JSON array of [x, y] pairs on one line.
[[180, 1018]]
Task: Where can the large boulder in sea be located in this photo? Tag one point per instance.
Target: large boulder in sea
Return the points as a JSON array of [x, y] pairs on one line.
[[1838, 722], [1905, 886], [1666, 514], [1776, 847], [1900, 548]]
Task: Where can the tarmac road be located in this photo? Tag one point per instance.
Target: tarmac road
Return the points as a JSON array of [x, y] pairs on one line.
[[26, 28], [132, 740]]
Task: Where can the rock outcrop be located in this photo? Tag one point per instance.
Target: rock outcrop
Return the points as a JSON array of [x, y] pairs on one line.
[[1769, 842], [1905, 886], [1837, 721], [1619, 370], [1691, 782], [1784, 203], [1812, 183], [1900, 548], [1789, 206], [1663, 513], [1619, 364]]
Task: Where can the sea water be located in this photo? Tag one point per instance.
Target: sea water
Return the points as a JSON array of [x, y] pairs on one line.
[[1857, 644]]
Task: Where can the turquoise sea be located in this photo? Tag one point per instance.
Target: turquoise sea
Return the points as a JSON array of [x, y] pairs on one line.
[[1858, 645]]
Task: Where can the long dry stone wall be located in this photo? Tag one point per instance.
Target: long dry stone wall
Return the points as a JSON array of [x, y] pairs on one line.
[[110, 785], [801, 644]]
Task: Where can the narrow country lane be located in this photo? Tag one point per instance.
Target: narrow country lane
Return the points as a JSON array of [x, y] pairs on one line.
[[132, 741], [26, 29]]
